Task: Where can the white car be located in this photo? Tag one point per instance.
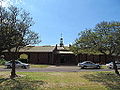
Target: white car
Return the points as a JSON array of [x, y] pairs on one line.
[[88, 64], [110, 65], [17, 64]]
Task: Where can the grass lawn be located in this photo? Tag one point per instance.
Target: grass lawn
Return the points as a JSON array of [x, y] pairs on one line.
[[104, 67], [38, 66], [61, 81], [32, 66], [2, 66]]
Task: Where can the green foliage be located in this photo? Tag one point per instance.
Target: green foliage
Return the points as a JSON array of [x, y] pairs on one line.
[[75, 49], [15, 29], [2, 61], [78, 50], [103, 38]]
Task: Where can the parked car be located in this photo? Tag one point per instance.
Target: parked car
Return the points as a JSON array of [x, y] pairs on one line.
[[88, 64], [17, 64], [110, 65]]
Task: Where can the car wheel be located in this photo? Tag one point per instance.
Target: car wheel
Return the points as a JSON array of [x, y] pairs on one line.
[[24, 67], [82, 67], [98, 67], [110, 67]]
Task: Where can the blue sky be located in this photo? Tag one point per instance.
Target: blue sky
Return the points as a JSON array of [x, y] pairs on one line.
[[69, 17]]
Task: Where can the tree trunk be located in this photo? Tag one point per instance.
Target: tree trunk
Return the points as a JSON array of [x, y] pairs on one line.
[[115, 68], [13, 73]]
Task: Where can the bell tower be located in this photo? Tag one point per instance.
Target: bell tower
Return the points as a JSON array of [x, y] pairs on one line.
[[61, 41]]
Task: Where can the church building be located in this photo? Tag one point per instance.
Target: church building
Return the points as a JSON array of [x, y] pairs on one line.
[[56, 55]]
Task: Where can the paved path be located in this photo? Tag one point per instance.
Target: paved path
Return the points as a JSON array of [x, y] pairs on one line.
[[56, 69]]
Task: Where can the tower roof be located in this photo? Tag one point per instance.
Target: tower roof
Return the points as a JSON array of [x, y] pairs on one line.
[[61, 41]]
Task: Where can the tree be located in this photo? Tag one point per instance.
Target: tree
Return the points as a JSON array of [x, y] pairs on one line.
[[103, 38], [15, 31], [3, 15]]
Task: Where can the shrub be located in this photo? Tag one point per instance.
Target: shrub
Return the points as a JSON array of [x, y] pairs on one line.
[[2, 61]]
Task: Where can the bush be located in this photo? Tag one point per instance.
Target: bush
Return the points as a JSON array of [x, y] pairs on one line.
[[2, 61]]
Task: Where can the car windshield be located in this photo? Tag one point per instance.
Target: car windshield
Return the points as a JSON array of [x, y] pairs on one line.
[[17, 62], [111, 63]]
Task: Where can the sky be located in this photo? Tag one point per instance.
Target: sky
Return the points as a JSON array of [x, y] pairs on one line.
[[69, 17]]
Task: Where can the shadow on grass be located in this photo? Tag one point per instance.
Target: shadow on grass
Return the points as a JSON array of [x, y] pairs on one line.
[[20, 84], [110, 80], [3, 79]]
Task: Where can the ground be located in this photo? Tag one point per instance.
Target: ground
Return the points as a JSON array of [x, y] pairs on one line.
[[100, 80], [60, 78]]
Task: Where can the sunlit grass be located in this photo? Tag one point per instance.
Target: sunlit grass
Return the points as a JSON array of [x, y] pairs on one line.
[[104, 67], [32, 66], [38, 66], [2, 66], [61, 81]]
